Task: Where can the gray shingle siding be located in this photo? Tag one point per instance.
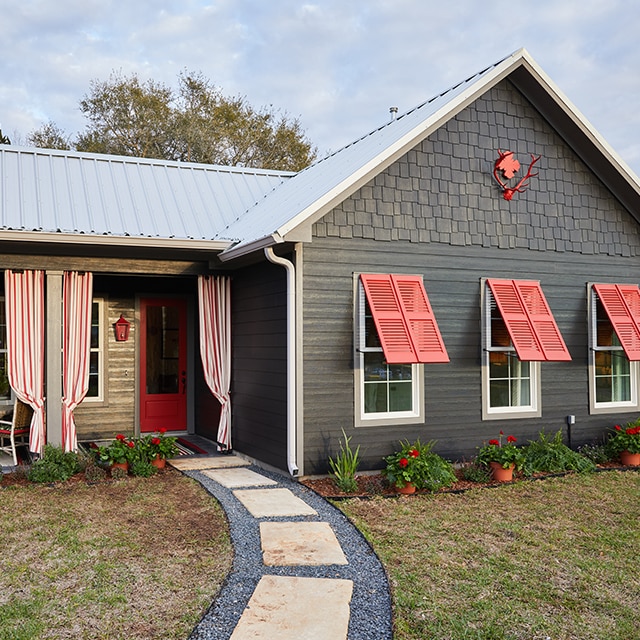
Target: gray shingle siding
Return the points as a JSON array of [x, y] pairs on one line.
[[438, 212], [447, 184]]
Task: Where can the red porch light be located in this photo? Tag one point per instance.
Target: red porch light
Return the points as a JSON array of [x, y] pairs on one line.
[[122, 327]]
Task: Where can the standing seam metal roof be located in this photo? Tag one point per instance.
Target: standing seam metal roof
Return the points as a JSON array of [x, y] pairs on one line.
[[67, 192]]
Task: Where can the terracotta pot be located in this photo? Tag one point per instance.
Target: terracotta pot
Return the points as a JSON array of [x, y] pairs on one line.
[[630, 459], [159, 462], [407, 488], [120, 465], [500, 474]]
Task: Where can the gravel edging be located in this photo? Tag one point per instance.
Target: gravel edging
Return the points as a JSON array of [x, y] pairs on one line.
[[370, 617]]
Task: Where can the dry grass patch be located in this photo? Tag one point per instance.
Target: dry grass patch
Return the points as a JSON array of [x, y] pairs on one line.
[[140, 558], [555, 559]]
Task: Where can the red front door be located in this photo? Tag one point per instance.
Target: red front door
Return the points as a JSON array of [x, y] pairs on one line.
[[163, 364]]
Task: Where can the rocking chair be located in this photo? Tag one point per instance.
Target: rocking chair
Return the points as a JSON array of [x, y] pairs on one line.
[[17, 430]]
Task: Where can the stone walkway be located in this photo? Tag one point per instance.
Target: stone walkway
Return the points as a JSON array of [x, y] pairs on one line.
[[299, 564]]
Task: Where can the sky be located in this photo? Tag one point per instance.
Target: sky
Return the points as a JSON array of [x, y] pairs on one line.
[[337, 65]]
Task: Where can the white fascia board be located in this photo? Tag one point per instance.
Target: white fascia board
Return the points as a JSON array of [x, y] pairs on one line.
[[360, 177], [106, 240]]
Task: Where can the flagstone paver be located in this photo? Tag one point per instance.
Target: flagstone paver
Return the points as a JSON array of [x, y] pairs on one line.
[[294, 608], [272, 503], [300, 543], [238, 477], [207, 462]]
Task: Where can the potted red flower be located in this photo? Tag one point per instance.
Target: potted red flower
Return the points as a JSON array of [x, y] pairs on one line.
[[624, 442], [161, 447], [502, 458], [415, 466], [117, 454]]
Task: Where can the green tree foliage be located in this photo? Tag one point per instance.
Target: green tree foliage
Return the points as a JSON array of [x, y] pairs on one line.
[[49, 136], [196, 123]]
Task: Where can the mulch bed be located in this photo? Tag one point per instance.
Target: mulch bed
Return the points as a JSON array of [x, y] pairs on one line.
[[377, 485]]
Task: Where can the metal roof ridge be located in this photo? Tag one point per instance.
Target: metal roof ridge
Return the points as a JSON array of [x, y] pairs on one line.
[[105, 157]]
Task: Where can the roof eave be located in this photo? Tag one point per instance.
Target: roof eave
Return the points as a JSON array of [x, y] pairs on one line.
[[112, 240], [244, 249]]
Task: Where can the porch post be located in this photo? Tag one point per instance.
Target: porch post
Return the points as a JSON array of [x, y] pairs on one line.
[[53, 358]]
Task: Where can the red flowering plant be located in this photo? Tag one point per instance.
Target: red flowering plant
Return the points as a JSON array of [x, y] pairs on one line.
[[505, 454], [417, 464], [118, 450], [161, 445], [625, 439]]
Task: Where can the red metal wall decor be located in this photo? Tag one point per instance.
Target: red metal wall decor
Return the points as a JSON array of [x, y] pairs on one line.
[[509, 166]]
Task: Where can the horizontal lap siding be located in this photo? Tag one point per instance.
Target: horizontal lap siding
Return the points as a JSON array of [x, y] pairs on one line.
[[259, 365], [438, 212], [101, 421]]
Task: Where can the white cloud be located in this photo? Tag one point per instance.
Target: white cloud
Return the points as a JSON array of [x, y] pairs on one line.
[[337, 64]]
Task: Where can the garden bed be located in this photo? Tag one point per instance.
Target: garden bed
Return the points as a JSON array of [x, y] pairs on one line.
[[375, 484]]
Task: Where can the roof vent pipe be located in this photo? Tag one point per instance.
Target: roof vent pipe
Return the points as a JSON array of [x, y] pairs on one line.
[[394, 112]]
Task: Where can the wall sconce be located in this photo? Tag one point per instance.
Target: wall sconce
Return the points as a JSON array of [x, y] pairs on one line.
[[122, 328]]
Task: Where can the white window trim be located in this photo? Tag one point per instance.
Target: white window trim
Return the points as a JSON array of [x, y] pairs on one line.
[[390, 418], [101, 350], [596, 408], [534, 410]]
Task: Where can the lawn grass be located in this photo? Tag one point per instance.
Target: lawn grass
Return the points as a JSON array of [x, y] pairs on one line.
[[554, 559], [139, 558]]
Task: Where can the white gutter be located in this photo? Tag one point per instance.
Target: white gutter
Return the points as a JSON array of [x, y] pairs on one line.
[[291, 358]]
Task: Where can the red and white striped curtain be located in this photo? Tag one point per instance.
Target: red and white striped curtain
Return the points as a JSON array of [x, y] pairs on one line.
[[77, 294], [214, 296], [24, 300]]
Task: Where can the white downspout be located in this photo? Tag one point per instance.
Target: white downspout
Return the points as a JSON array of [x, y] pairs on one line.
[[291, 357]]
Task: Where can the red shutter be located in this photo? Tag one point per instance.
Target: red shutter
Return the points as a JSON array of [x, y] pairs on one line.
[[622, 304], [406, 325], [526, 314], [424, 331]]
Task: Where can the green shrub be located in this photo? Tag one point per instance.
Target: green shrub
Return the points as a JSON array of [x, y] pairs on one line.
[[55, 465], [345, 465], [142, 468], [94, 474], [416, 463], [476, 472], [553, 456], [597, 453]]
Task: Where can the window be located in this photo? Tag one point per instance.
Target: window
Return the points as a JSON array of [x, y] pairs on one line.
[[385, 393], [510, 386], [519, 332], [96, 355], [613, 375], [5, 389], [395, 333]]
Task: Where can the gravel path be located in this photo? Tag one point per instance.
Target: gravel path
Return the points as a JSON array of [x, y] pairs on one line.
[[371, 602]]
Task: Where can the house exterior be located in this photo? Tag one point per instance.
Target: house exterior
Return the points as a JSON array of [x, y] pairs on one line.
[[398, 289]]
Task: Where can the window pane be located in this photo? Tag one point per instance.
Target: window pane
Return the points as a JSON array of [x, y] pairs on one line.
[[499, 393], [509, 380], [370, 332], [375, 367], [613, 377], [375, 397], [93, 375], [400, 397], [5, 389], [399, 371]]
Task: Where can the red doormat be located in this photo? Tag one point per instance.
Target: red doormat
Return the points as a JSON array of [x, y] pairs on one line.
[[189, 448]]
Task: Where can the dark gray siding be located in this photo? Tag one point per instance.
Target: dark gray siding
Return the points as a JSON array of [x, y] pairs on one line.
[[438, 212], [259, 352]]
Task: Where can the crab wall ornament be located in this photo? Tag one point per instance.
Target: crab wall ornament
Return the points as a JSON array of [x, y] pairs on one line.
[[508, 166]]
